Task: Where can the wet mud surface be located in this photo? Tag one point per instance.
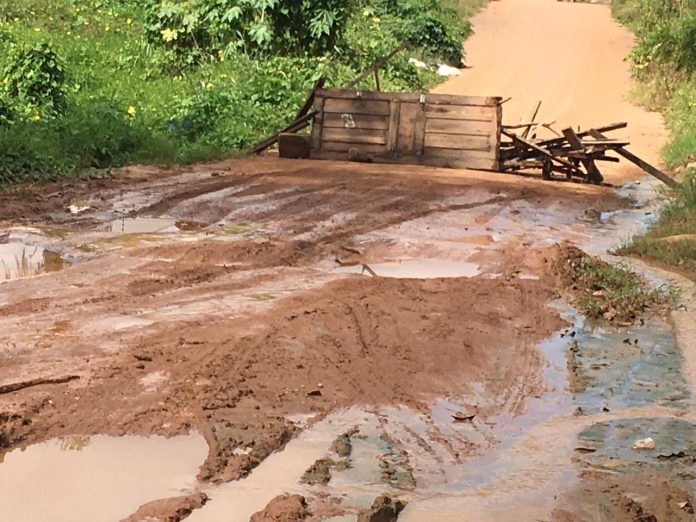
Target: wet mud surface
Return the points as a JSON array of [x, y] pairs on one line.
[[397, 335]]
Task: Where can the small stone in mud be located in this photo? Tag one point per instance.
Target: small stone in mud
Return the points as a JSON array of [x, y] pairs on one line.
[[342, 446], [466, 414], [171, 509], [384, 509], [283, 508], [319, 472], [314, 393]]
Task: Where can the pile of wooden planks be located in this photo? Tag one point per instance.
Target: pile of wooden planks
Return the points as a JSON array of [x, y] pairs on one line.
[[574, 155]]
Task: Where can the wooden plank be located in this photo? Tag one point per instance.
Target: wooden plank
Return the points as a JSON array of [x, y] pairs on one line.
[[461, 112], [295, 126], [420, 133], [333, 120], [498, 137], [294, 146], [406, 141], [459, 159], [357, 106], [394, 121], [467, 127], [372, 137], [459, 142], [433, 160], [593, 173], [522, 144], [455, 99], [556, 142], [318, 125], [335, 146], [319, 84], [647, 167], [378, 64], [430, 99]]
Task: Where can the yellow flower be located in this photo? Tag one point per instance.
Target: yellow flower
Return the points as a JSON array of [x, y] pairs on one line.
[[5, 80], [37, 29], [36, 117], [107, 28], [131, 110], [16, 19], [168, 35], [128, 21], [366, 13], [208, 85], [376, 19]]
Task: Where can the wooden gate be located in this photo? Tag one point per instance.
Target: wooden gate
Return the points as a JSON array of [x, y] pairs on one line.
[[426, 129]]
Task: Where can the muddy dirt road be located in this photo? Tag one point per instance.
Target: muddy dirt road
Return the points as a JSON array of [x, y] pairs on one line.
[[216, 336]]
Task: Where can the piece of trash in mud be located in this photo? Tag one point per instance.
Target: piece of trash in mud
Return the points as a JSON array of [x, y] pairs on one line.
[[19, 261], [467, 413], [605, 409], [579, 412], [88, 479], [143, 226], [686, 507], [416, 269], [314, 393], [585, 449], [79, 207], [644, 444]]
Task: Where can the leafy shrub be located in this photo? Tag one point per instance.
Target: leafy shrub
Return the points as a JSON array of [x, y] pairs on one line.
[[196, 27], [34, 77]]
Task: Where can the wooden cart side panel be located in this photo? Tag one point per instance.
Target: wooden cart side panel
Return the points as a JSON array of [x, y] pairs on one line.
[[448, 131]]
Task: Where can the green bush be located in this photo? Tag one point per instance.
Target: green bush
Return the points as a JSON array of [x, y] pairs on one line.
[[34, 79], [100, 83]]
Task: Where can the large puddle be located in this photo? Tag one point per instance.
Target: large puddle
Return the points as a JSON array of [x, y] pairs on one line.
[[94, 479], [18, 261], [415, 269]]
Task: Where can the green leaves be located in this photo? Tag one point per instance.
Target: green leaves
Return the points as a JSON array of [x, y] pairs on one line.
[[34, 81]]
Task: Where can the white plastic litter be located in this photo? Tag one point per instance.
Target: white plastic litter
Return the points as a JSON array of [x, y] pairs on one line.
[[644, 444], [446, 70]]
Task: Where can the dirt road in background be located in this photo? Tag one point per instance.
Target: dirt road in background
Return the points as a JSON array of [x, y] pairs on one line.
[[396, 311], [569, 56]]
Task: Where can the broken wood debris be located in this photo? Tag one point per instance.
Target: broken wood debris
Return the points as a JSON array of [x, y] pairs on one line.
[[574, 154]]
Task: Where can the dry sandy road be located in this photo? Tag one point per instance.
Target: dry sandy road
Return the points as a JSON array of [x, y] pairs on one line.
[[234, 316], [571, 57]]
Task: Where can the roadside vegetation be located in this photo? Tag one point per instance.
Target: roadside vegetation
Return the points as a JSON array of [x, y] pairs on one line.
[[610, 292], [98, 83], [664, 64]]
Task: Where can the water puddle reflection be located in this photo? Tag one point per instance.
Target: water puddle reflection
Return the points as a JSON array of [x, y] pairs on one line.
[[415, 269], [95, 479], [18, 261], [143, 226]]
